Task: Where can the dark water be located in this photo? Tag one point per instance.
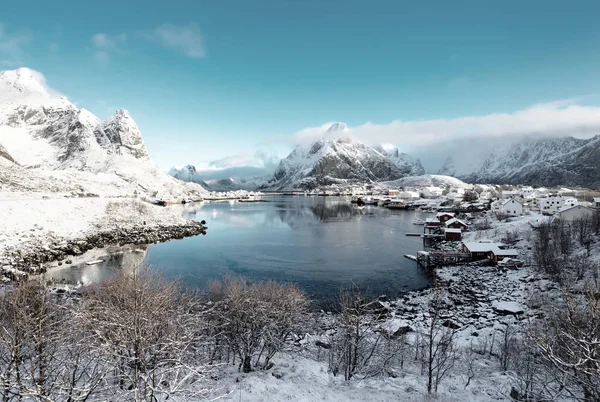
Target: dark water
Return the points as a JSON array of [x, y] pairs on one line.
[[322, 243]]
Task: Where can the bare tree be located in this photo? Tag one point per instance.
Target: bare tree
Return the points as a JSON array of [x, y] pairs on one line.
[[569, 345], [441, 352], [148, 331], [360, 347]]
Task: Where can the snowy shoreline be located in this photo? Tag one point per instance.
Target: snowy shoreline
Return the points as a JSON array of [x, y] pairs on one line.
[[40, 233]]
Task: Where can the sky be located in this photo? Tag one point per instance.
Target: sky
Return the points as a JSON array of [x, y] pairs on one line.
[[241, 82]]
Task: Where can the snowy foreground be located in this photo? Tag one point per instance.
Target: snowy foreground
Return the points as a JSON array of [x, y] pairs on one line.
[[480, 303]]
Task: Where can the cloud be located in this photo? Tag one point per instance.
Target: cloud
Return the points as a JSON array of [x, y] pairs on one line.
[[103, 45], [257, 159], [554, 119], [12, 45], [185, 39]]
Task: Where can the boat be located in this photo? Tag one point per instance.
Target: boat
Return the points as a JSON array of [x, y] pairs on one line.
[[396, 204], [370, 201]]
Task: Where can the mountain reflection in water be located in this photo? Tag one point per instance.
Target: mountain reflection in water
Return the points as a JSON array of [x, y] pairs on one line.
[[322, 243]]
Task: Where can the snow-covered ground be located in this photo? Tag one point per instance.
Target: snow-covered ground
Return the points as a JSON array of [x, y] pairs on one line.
[[479, 302]]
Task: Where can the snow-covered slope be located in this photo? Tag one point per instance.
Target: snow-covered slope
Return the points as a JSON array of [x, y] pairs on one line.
[[426, 180], [189, 173], [406, 163], [330, 161], [448, 168], [43, 131], [557, 161]]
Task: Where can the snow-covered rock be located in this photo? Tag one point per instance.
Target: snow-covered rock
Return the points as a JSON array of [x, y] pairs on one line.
[[448, 168], [407, 164], [42, 131], [188, 173], [119, 133], [330, 161], [550, 161], [427, 180]]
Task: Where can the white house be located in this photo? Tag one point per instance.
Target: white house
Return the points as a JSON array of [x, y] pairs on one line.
[[506, 194], [596, 202], [512, 207], [569, 214], [551, 205], [409, 195], [432, 192]]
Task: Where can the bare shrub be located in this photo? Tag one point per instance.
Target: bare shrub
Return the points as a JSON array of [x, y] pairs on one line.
[[256, 319], [148, 332], [360, 348]]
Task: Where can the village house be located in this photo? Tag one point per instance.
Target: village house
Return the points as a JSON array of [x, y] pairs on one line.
[[596, 202], [444, 216], [512, 207], [506, 194], [452, 234], [570, 214], [455, 223], [432, 192], [551, 205], [488, 250], [409, 195], [393, 193]]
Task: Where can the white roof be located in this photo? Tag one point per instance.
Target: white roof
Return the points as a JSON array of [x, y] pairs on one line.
[[560, 211], [596, 199], [487, 247], [453, 220], [444, 213]]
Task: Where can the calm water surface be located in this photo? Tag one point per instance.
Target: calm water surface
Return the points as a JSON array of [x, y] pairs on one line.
[[322, 243]]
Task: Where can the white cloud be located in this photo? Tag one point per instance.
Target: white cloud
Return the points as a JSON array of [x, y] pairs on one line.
[[560, 118], [104, 45], [12, 45], [185, 39], [258, 159]]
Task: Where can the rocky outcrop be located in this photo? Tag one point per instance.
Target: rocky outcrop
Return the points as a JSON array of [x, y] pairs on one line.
[[120, 134], [17, 263]]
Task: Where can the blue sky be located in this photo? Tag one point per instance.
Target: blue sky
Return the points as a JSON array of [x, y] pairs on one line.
[[208, 79]]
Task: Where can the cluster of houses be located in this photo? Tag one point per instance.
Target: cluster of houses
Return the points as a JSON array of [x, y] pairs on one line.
[[560, 206], [446, 225]]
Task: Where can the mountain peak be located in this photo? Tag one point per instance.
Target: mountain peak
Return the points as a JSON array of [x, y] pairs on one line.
[[24, 85], [337, 127]]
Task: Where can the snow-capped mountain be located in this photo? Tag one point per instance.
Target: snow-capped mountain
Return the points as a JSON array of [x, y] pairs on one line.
[[553, 161], [448, 168], [188, 173], [40, 129], [408, 165], [330, 161]]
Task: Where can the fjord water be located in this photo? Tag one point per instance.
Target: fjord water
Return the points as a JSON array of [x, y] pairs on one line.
[[322, 243]]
